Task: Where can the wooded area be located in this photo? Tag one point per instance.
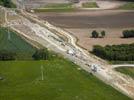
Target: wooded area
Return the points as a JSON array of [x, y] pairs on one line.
[[123, 52]]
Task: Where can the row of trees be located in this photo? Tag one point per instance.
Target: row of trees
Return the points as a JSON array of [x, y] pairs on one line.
[[5, 55], [40, 54], [96, 34], [124, 52], [128, 33]]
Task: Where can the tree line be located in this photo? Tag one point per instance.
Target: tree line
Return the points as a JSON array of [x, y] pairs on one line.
[[40, 54], [7, 3], [123, 52], [6, 55]]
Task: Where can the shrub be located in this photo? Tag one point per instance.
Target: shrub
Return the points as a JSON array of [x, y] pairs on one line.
[[41, 54], [95, 34], [103, 33], [128, 33]]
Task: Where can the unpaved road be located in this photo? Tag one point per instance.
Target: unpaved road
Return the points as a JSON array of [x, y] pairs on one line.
[[123, 65]]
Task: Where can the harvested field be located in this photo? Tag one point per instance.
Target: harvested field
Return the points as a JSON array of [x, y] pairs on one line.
[[82, 23], [113, 36], [91, 19]]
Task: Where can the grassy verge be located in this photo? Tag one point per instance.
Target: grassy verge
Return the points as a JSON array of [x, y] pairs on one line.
[[62, 81], [128, 6], [90, 5], [56, 8], [126, 70]]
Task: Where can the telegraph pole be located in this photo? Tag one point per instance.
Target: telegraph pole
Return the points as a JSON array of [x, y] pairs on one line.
[[42, 73]]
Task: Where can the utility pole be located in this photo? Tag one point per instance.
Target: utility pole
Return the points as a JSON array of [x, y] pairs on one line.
[[42, 73]]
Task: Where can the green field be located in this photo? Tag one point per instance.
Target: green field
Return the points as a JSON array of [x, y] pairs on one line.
[[126, 70], [65, 7], [90, 5], [128, 6], [62, 81], [13, 43]]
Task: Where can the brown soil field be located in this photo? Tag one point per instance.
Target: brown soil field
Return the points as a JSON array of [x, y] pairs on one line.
[[91, 19], [113, 37], [82, 23]]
